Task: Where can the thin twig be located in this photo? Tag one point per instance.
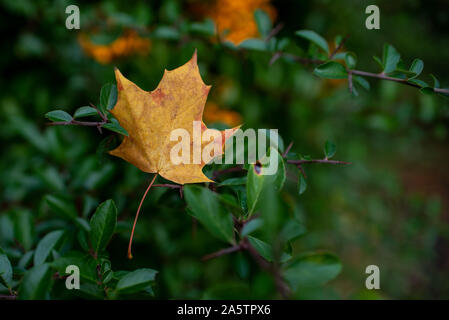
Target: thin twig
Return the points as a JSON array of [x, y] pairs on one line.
[[99, 112], [275, 57], [77, 123], [222, 252], [287, 150], [350, 81], [381, 76], [225, 171], [274, 31], [338, 47], [302, 171]]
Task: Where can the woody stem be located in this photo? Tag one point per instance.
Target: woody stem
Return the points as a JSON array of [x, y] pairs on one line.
[[130, 256]]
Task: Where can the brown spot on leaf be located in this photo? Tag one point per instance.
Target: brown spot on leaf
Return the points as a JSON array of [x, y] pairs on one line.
[[258, 167]]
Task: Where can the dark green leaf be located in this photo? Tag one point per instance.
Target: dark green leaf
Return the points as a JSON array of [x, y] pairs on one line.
[[292, 230], [436, 83], [302, 184], [46, 245], [390, 58], [61, 206], [85, 112], [379, 62], [417, 67], [5, 270], [251, 226], [85, 262], [427, 90], [58, 115], [205, 206], [253, 44], [207, 27], [329, 149], [263, 22], [24, 228], [102, 225], [115, 126], [233, 182], [26, 259], [351, 60], [315, 38], [36, 283], [361, 82], [136, 281], [164, 32], [265, 250], [418, 82], [108, 97], [331, 70], [258, 178], [311, 270]]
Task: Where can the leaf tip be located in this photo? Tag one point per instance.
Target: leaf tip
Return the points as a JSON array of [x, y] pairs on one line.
[[195, 57]]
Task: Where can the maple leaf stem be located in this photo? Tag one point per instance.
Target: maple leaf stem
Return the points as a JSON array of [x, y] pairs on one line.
[[130, 256]]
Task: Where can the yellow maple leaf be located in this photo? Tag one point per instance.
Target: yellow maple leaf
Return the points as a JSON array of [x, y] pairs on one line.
[[150, 117]]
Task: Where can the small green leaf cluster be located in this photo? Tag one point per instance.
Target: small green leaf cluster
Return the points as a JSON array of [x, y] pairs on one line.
[[41, 272], [108, 99]]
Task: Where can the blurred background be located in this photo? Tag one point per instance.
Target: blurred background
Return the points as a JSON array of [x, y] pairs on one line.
[[389, 208]]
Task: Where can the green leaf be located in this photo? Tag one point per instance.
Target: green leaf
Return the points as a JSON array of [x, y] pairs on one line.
[[265, 250], [5, 270], [115, 126], [417, 67], [253, 44], [26, 259], [251, 226], [36, 283], [311, 270], [427, 90], [165, 32], [207, 27], [351, 60], [205, 206], [292, 230], [337, 40], [136, 281], [233, 182], [61, 206], [331, 70], [390, 58], [258, 178], [46, 245], [263, 22], [315, 38], [24, 228], [85, 112], [108, 97], [58, 115], [418, 82], [436, 83], [329, 149], [361, 82], [379, 62], [85, 262], [302, 184], [102, 225]]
